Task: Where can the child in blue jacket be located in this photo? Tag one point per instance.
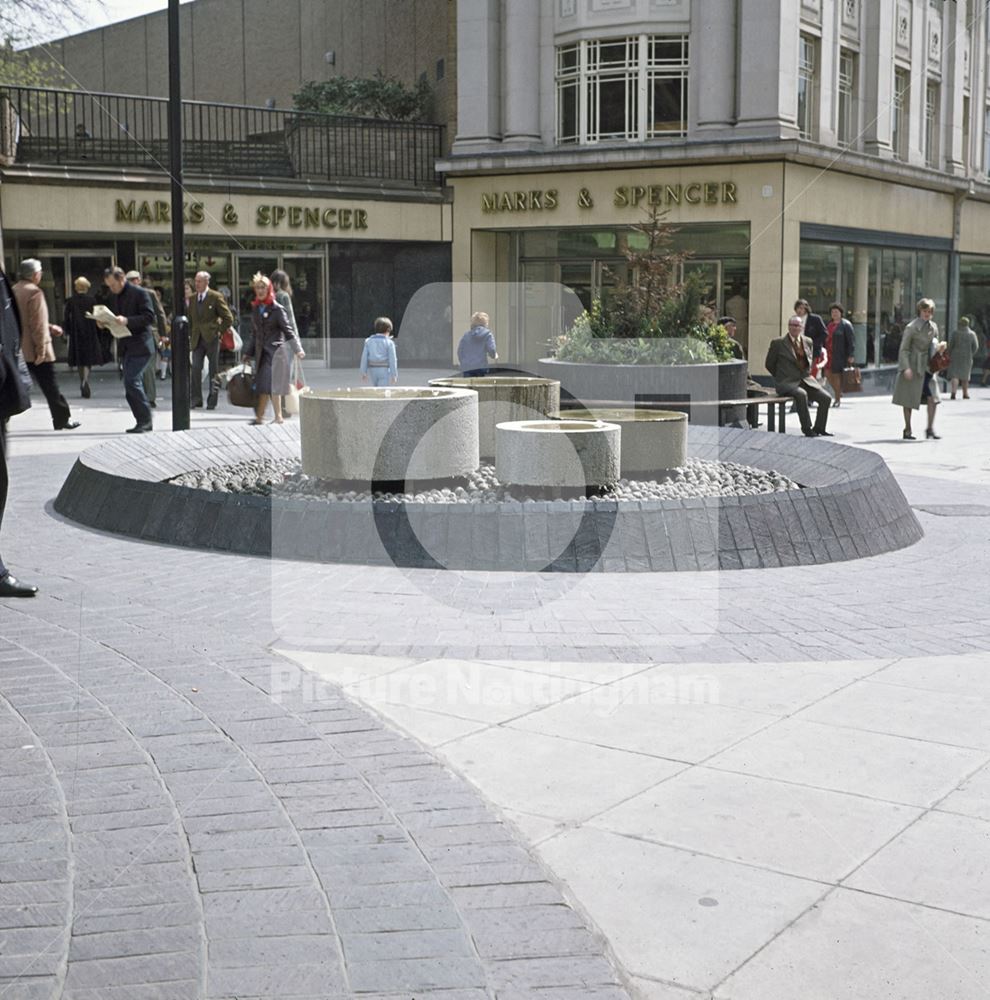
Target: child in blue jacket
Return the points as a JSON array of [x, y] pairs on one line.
[[378, 360], [476, 347]]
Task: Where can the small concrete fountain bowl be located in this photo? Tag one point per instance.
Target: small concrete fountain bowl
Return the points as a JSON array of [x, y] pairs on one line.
[[557, 454], [389, 434], [653, 441], [504, 398]]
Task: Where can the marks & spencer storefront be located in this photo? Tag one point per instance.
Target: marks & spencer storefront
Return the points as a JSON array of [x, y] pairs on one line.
[[349, 259], [760, 234]]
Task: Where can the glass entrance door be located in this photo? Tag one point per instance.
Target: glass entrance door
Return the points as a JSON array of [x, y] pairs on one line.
[[306, 276]]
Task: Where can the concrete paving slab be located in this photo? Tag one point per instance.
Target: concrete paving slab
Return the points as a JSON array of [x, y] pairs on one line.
[[854, 945], [972, 798], [672, 915], [789, 829], [939, 861], [557, 779], [879, 766]]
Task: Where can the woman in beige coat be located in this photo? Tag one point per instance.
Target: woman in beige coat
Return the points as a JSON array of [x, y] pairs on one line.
[[963, 346], [915, 384]]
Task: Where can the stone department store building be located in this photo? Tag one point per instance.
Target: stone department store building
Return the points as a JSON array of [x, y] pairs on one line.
[[832, 149]]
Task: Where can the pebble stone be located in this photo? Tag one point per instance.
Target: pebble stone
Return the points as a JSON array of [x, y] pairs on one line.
[[284, 477]]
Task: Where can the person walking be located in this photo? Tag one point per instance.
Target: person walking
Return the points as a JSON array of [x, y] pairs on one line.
[[36, 342], [963, 346], [133, 307], [209, 315], [840, 346], [915, 383], [476, 347], [789, 361], [283, 296], [161, 327], [272, 344], [88, 344], [14, 399], [379, 362]]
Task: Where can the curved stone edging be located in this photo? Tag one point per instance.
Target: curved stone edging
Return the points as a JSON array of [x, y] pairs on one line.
[[851, 508]]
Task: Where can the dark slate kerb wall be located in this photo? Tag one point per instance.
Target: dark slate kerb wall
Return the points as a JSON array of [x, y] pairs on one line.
[[851, 507]]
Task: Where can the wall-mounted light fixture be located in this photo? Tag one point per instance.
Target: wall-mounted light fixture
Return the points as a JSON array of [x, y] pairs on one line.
[[330, 57], [270, 103]]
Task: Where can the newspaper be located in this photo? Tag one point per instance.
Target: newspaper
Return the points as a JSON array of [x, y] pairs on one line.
[[105, 317]]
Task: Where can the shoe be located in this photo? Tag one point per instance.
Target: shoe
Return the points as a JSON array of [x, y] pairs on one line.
[[70, 426], [10, 586], [84, 390], [908, 436], [824, 434], [835, 404], [966, 395], [140, 429], [809, 434], [255, 422], [753, 427], [211, 401], [197, 406], [931, 434], [152, 404], [953, 396]]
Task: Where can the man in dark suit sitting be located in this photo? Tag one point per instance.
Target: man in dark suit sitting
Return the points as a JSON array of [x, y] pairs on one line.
[[789, 362]]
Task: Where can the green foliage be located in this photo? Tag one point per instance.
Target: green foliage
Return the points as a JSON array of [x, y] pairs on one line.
[[378, 97], [28, 68], [651, 320]]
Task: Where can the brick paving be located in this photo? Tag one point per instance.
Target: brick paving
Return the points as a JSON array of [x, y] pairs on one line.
[[169, 830]]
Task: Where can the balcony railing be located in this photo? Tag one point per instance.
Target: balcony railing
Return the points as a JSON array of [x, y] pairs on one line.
[[78, 129]]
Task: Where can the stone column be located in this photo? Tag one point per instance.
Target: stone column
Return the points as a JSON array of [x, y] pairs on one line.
[[878, 78], [768, 52], [953, 77], [479, 93], [521, 69], [828, 72], [919, 78], [713, 96]]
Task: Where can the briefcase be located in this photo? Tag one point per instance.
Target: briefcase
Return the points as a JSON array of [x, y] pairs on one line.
[[852, 381]]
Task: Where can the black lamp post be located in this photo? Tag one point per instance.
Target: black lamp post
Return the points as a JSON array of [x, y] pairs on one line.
[[180, 322]]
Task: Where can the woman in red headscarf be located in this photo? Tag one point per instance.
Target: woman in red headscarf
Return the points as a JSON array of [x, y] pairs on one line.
[[272, 346]]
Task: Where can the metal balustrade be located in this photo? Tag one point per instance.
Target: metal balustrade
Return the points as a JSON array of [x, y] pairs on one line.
[[81, 129]]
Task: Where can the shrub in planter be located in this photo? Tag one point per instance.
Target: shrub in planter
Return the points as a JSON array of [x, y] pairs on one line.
[[651, 320]]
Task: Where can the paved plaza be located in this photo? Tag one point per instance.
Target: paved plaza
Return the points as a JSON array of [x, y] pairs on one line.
[[225, 776]]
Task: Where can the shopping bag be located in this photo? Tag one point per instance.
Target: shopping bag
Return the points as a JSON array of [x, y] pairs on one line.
[[240, 388], [297, 389]]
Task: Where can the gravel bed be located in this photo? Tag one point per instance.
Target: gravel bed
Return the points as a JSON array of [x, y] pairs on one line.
[[284, 477]]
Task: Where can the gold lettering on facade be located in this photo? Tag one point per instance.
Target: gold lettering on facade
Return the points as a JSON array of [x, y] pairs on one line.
[[264, 216], [360, 218], [312, 218], [344, 216], [516, 201], [295, 216], [330, 218], [668, 195], [158, 212]]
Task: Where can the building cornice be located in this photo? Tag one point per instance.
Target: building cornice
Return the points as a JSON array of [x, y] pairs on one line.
[[644, 155], [41, 174]]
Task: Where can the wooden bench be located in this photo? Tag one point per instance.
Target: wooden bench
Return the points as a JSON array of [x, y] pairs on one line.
[[776, 407]]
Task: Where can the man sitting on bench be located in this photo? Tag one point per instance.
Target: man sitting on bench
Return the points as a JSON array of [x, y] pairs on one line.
[[752, 388], [789, 362]]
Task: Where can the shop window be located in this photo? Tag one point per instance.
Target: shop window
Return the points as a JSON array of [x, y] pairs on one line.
[[898, 114], [847, 98], [931, 124], [807, 87], [625, 89]]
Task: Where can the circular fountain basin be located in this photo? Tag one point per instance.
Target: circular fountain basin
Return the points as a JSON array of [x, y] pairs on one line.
[[389, 434], [505, 398], [557, 454], [653, 441]]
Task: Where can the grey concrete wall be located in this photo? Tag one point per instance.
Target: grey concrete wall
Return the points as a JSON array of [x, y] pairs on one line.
[[223, 61]]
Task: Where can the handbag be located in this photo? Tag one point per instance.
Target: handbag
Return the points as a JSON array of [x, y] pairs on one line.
[[937, 363], [852, 380], [240, 389], [230, 340], [297, 389], [15, 382]]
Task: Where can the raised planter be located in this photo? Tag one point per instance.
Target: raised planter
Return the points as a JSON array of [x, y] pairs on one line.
[[557, 454], [674, 386], [389, 435], [653, 441], [505, 398]]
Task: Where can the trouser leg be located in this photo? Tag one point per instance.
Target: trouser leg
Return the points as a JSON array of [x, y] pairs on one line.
[[3, 480], [44, 376], [148, 380], [134, 390], [818, 395], [213, 357], [800, 397], [196, 389], [378, 376]]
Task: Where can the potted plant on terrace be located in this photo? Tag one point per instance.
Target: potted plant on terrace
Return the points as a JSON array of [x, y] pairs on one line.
[[649, 339]]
